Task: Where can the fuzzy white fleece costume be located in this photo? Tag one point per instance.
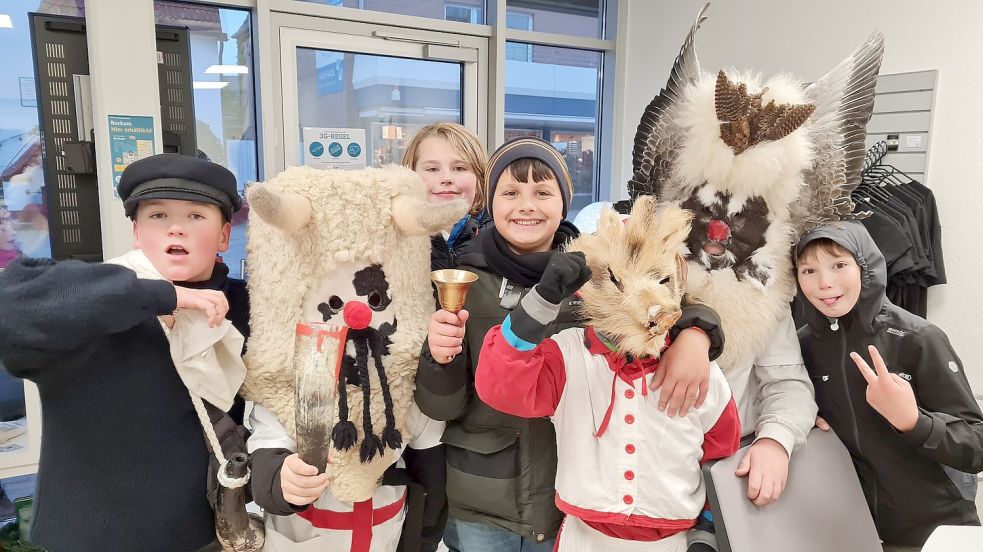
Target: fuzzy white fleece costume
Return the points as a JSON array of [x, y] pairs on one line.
[[322, 245]]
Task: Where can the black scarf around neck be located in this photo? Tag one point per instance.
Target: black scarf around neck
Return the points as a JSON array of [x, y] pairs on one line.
[[218, 281], [525, 270]]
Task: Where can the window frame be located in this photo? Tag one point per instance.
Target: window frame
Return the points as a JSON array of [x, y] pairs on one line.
[[365, 39], [612, 70], [529, 27], [612, 50]]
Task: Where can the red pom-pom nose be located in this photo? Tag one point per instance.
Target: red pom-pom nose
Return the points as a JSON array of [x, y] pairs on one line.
[[718, 230], [357, 315]]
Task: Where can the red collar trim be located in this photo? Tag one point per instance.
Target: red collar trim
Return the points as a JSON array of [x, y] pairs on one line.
[[627, 371], [594, 343]]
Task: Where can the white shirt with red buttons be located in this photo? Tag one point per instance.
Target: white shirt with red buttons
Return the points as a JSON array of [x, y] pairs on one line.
[[624, 467]]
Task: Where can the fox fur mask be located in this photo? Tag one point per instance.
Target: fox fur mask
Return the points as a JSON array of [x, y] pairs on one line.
[[638, 277]]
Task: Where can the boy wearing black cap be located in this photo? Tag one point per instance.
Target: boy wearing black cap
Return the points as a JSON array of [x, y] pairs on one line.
[[501, 468], [123, 461]]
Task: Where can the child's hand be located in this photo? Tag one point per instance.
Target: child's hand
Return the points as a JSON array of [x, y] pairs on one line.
[[766, 465], [212, 303], [822, 424], [684, 373], [300, 482], [888, 393], [446, 334]]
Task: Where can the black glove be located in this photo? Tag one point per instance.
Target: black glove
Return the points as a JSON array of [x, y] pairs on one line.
[[565, 273]]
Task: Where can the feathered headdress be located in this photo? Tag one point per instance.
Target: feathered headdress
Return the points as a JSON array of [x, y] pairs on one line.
[[758, 162], [832, 115]]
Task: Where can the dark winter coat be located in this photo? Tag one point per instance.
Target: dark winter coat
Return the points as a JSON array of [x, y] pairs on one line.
[[913, 481], [123, 460], [446, 253]]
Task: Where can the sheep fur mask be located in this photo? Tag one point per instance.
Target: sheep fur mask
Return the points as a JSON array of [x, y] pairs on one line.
[[318, 242]]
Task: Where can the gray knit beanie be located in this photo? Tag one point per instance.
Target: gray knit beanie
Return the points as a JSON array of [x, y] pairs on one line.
[[531, 148]]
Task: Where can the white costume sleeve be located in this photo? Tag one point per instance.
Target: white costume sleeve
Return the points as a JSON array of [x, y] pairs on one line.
[[779, 402], [424, 432], [268, 432], [718, 397]]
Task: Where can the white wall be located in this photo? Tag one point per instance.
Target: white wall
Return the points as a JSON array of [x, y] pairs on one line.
[[810, 38], [123, 68]]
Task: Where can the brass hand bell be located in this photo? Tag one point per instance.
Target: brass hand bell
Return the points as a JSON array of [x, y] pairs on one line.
[[452, 289]]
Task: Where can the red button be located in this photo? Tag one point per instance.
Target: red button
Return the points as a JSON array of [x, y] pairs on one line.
[[629, 475], [630, 449], [629, 393], [628, 499], [629, 419]]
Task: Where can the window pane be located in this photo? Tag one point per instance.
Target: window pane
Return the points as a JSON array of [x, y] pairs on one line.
[[464, 14], [521, 21], [23, 209], [221, 54], [23, 205], [390, 97], [465, 11], [570, 17], [518, 52], [555, 97]]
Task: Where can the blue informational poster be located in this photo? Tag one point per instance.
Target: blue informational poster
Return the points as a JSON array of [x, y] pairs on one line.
[[130, 138]]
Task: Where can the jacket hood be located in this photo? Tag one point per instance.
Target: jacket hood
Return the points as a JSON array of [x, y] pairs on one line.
[[854, 237]]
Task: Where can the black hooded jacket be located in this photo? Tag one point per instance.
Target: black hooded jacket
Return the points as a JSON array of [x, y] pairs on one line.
[[913, 481]]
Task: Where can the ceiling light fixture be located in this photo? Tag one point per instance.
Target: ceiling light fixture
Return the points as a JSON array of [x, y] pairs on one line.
[[227, 70], [209, 85]]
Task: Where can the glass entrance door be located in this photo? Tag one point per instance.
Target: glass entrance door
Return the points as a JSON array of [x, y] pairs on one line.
[[387, 83]]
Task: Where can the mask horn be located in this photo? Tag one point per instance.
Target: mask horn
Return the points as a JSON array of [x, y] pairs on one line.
[[284, 210], [417, 218]]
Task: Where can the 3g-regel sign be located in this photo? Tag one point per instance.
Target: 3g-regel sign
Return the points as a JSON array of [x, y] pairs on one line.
[[334, 148]]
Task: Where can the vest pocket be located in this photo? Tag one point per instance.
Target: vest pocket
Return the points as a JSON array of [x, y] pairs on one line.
[[961, 485], [483, 470]]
